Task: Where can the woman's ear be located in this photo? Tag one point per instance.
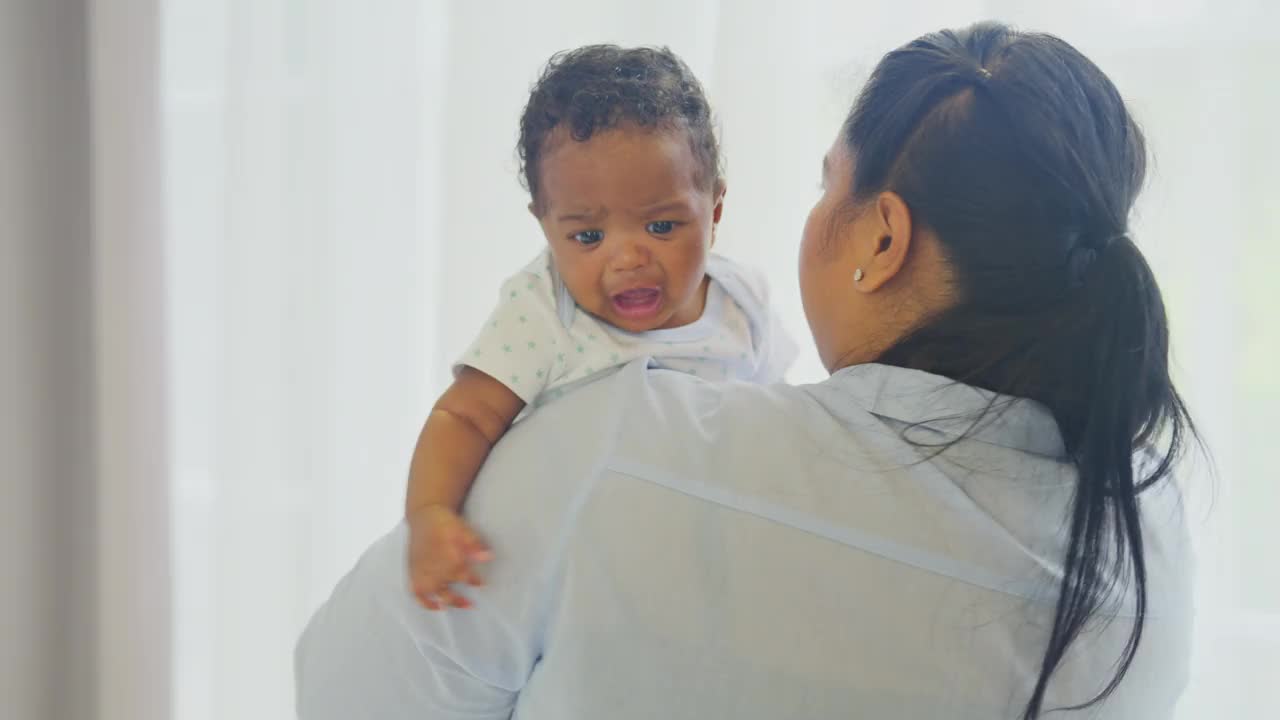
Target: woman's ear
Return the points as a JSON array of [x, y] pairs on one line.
[[890, 218]]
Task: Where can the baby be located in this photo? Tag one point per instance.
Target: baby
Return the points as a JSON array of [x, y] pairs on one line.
[[622, 166]]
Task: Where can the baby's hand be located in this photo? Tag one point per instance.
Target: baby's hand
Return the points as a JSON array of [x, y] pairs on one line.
[[442, 548]]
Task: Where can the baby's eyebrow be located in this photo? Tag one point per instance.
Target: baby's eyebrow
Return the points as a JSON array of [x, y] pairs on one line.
[[826, 165], [582, 215], [665, 206]]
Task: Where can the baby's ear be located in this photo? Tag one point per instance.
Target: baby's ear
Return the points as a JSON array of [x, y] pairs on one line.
[[718, 198]]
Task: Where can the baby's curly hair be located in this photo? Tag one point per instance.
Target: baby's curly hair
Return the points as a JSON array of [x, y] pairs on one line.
[[598, 87]]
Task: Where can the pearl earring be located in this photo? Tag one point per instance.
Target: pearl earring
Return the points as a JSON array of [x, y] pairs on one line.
[[857, 275]]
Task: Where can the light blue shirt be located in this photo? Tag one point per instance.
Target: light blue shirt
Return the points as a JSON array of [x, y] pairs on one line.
[[672, 548]]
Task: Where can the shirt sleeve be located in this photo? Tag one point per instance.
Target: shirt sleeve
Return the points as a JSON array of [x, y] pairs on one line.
[[359, 656], [516, 346], [372, 651]]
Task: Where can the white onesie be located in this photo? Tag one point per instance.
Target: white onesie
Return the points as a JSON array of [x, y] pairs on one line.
[[538, 341]]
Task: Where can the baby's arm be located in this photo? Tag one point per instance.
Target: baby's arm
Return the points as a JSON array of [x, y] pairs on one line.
[[462, 428]]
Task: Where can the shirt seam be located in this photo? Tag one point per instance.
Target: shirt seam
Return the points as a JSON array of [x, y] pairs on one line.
[[1030, 590]]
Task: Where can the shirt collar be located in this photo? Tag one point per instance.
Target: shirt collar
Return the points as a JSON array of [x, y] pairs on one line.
[[948, 407]]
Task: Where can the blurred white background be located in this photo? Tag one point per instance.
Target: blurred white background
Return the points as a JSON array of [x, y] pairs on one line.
[[300, 210]]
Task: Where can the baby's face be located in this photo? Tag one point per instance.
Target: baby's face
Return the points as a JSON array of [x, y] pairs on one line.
[[629, 226]]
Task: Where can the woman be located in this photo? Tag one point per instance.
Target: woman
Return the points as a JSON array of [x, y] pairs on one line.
[[972, 518]]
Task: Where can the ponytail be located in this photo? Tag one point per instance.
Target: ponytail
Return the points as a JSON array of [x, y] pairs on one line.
[[1132, 406]]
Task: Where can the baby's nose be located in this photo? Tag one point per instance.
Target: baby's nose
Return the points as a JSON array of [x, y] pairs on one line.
[[631, 255]]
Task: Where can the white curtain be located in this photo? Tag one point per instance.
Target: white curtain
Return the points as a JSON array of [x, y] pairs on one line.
[[244, 238], [85, 622]]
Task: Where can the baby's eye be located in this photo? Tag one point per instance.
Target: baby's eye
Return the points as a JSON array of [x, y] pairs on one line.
[[661, 227], [588, 238]]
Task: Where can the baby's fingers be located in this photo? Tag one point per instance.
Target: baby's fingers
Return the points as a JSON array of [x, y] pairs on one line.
[[428, 577], [476, 549], [463, 573], [427, 599], [471, 577], [449, 598]]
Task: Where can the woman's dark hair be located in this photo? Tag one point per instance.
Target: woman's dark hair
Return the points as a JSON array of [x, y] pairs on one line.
[[598, 87], [1019, 154]]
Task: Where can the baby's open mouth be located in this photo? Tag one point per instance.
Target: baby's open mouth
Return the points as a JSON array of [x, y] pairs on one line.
[[637, 303]]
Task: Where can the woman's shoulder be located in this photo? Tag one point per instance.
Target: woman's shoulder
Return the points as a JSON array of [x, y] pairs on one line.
[[643, 409]]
